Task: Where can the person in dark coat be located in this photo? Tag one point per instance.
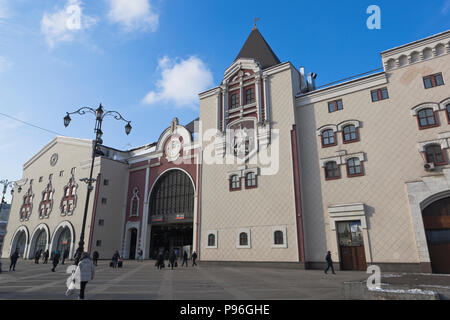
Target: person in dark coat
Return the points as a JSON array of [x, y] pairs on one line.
[[46, 254], [329, 263], [160, 261], [14, 258], [185, 259], [65, 255], [37, 256], [56, 257], [115, 259], [95, 257], [194, 258], [172, 258]]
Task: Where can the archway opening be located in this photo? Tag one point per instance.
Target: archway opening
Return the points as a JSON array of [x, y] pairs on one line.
[[133, 243], [436, 219], [171, 212], [20, 243], [40, 243], [63, 241]]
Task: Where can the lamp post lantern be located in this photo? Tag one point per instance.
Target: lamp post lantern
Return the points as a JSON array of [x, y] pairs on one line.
[[100, 114], [6, 184]]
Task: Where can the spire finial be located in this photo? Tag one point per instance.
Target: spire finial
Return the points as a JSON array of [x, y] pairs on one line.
[[256, 20]]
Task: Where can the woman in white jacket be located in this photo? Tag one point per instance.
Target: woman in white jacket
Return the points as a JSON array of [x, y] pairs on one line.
[[84, 273]]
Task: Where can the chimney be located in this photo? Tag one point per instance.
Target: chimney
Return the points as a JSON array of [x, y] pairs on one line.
[[312, 81], [303, 84]]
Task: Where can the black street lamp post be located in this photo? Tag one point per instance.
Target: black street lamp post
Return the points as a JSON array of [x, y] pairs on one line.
[[100, 114], [6, 184]]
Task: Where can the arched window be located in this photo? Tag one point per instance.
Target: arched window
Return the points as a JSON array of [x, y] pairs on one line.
[[354, 167], [235, 183], [350, 134], [332, 171], [427, 118], [173, 197], [435, 154], [328, 138], [250, 180], [134, 210], [243, 239], [211, 240], [278, 238]]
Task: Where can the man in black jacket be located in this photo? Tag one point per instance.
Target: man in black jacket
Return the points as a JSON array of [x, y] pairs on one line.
[[329, 262], [56, 257], [14, 258]]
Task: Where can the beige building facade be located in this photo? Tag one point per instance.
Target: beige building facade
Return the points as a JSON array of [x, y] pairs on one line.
[[276, 172]]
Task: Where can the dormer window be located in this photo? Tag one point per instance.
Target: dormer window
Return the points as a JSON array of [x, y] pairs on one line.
[[250, 96], [234, 100]]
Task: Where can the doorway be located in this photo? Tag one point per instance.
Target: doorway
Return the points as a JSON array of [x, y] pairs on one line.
[[436, 219], [133, 242], [351, 246], [176, 237]]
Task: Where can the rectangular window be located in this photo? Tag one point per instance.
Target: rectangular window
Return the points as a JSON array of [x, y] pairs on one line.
[[40, 179], [379, 94], [249, 96], [104, 200], [61, 173], [101, 222], [432, 81], [98, 243], [72, 171], [234, 101], [105, 182], [334, 106]]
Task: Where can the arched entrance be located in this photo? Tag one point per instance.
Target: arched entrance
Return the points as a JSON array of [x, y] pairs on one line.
[[21, 243], [40, 243], [171, 213], [133, 242], [436, 219], [63, 238]]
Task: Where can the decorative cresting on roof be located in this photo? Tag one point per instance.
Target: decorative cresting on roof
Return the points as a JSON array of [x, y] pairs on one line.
[[257, 48]]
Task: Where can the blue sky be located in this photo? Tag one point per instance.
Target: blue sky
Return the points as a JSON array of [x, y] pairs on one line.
[[148, 59]]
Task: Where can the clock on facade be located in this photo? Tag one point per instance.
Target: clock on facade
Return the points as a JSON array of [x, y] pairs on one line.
[[53, 159]]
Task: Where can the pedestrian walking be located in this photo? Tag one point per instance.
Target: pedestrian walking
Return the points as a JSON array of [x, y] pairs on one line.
[[160, 261], [56, 256], [140, 255], [172, 258], [115, 259], [194, 258], [37, 256], [185, 259], [95, 257], [46, 254], [84, 273], [65, 255], [14, 257], [329, 263]]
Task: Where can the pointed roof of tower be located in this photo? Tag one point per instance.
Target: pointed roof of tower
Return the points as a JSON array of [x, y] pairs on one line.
[[257, 48]]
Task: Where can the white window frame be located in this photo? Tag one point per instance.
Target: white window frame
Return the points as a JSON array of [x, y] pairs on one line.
[[284, 231], [213, 232], [249, 238]]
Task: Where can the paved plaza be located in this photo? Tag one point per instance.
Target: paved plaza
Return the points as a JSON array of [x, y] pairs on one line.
[[142, 281]]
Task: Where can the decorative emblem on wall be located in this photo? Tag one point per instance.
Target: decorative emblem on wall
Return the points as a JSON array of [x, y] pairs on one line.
[[173, 149], [27, 205], [53, 159], [69, 200], [46, 205]]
